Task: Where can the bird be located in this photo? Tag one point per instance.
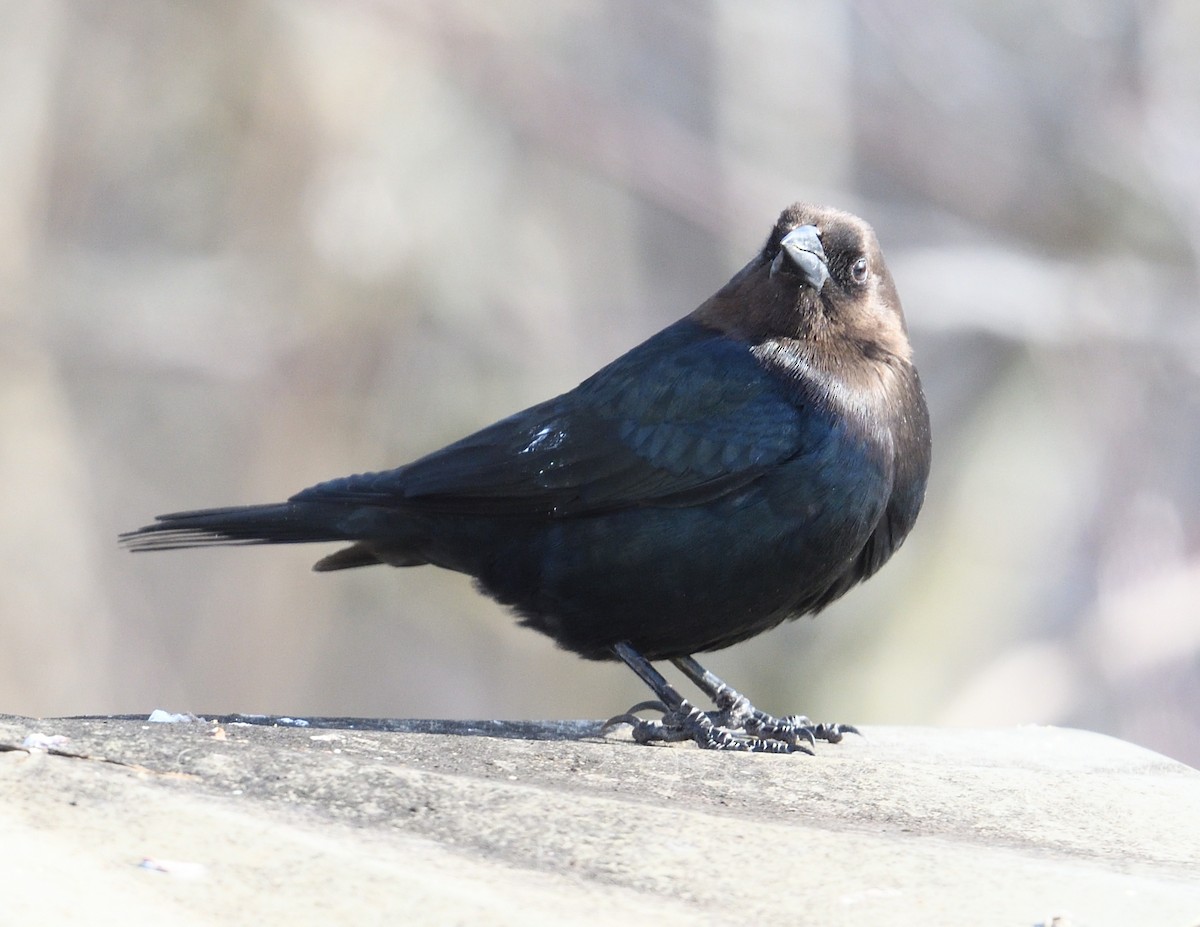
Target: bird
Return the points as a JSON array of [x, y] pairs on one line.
[[746, 465]]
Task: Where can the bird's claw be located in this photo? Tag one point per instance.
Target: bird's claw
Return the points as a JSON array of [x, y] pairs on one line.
[[831, 732], [630, 717]]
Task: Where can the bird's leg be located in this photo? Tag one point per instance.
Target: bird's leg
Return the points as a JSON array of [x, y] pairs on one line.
[[683, 721], [734, 712]]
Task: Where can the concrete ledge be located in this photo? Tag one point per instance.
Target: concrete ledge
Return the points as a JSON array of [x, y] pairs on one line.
[[435, 822]]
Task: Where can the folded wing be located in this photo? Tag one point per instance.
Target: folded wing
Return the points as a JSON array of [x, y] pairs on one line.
[[683, 418]]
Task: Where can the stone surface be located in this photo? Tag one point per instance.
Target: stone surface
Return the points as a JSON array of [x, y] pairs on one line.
[[418, 822]]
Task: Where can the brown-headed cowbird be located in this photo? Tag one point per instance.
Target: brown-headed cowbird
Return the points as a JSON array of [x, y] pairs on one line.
[[747, 464]]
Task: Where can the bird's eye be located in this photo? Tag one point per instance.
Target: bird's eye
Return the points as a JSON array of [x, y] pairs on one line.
[[859, 270]]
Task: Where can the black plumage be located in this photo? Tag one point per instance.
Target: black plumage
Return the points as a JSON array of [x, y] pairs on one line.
[[748, 464]]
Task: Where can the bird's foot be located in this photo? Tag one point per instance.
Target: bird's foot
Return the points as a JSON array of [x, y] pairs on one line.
[[711, 730], [735, 724], [734, 711]]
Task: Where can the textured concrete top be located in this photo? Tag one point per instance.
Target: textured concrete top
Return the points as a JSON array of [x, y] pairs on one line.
[[414, 822]]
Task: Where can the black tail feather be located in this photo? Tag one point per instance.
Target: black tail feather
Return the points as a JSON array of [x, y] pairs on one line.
[[282, 523]]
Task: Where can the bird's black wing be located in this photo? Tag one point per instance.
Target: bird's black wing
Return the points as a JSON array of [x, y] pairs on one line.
[[684, 417]]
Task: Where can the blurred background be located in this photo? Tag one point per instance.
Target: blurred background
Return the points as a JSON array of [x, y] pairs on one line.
[[246, 246]]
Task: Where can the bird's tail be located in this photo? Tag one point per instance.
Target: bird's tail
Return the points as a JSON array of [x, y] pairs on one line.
[[281, 523]]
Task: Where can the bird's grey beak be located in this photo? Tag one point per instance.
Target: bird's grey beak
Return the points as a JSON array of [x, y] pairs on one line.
[[801, 253]]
